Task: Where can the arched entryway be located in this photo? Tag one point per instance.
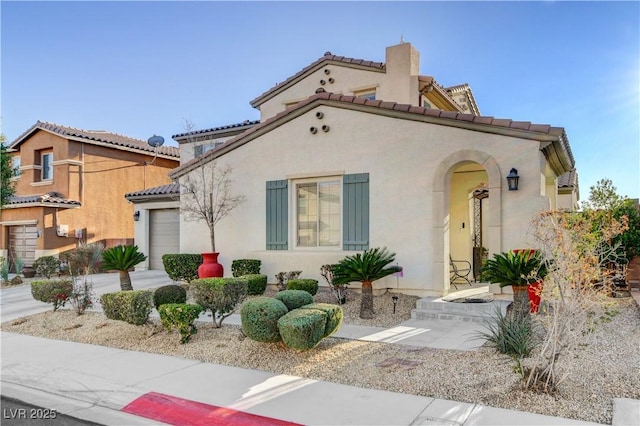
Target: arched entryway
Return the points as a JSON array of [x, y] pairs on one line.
[[461, 180]]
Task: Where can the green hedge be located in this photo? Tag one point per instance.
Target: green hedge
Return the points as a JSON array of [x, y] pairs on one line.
[[219, 295], [180, 316], [334, 316], [294, 299], [302, 329], [240, 267], [133, 306], [260, 317], [171, 293], [56, 292], [256, 284], [182, 267], [307, 284], [46, 266]]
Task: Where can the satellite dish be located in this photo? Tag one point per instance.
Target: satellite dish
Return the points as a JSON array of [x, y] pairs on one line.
[[155, 141]]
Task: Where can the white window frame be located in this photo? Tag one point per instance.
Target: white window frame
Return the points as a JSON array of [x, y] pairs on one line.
[[49, 169], [293, 214]]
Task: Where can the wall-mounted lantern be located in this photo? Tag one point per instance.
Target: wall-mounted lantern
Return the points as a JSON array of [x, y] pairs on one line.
[[512, 180], [136, 215]]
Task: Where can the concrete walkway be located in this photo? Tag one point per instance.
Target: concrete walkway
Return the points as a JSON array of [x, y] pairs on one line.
[[99, 384]]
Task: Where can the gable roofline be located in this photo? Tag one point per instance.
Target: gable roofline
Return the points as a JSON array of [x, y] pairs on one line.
[[553, 140], [465, 89], [220, 131], [171, 191], [98, 137], [327, 59]]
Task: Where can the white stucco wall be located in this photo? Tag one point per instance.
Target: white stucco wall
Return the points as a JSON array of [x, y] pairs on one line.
[[402, 158]]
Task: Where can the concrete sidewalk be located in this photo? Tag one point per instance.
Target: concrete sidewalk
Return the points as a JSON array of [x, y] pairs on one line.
[[95, 383]]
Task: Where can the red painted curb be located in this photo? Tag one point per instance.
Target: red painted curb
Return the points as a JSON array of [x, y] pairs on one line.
[[177, 411]]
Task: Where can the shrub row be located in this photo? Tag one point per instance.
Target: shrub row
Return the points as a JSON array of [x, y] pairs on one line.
[[306, 284], [256, 284], [182, 267], [287, 318], [240, 267], [171, 293]]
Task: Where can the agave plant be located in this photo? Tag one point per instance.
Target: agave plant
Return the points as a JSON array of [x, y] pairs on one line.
[[366, 268], [122, 259]]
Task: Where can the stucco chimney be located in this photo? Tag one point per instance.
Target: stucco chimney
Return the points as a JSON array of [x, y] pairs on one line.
[[403, 59]]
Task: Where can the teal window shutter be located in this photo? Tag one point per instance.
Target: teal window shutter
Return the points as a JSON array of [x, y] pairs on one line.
[[355, 212], [277, 215]]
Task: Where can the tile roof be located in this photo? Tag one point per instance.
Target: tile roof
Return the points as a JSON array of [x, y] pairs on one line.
[[442, 117], [52, 198], [328, 57], [217, 129], [158, 191], [98, 136], [569, 179]]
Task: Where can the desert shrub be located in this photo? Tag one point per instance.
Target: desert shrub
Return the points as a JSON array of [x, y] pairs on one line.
[[334, 316], [180, 316], [171, 293], [81, 298], [283, 277], [338, 290], [302, 329], [259, 318], [306, 284], [240, 267], [182, 267], [56, 292], [219, 295], [132, 306], [256, 284], [46, 266], [293, 299], [510, 334]]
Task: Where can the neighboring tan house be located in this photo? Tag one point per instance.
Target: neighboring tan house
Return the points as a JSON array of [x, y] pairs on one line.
[[157, 226], [353, 154], [70, 187]]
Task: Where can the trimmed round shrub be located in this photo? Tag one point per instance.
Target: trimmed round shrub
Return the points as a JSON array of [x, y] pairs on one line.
[[293, 299], [46, 266], [240, 267], [307, 284], [171, 293], [56, 292], [180, 316], [132, 306], [219, 295], [259, 318], [257, 284], [302, 329], [334, 316], [182, 267]]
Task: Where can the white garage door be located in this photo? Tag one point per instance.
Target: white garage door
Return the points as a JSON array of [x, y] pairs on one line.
[[164, 235], [22, 244]]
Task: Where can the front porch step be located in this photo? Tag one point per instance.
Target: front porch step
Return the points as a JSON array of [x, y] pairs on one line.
[[440, 309]]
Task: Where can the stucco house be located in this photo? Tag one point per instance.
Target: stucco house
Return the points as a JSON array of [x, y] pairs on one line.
[[70, 186], [351, 154]]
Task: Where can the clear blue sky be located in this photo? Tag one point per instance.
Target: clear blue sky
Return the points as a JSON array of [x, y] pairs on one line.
[[140, 68]]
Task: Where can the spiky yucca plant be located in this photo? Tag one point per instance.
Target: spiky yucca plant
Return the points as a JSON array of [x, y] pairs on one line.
[[366, 268], [122, 258]]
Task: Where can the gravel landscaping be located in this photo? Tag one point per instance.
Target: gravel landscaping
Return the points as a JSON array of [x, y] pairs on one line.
[[607, 367]]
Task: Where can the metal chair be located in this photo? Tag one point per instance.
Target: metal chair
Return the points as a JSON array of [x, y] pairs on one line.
[[459, 271]]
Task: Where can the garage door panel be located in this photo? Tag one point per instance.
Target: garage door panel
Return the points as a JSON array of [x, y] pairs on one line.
[[164, 232]]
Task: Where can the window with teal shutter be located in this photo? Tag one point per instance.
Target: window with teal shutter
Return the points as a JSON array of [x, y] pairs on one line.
[[355, 211], [277, 215]]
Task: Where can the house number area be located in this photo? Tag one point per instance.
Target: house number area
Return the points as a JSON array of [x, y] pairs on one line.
[[29, 413]]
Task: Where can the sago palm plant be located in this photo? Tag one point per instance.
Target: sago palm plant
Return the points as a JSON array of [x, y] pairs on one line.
[[366, 268], [122, 258]]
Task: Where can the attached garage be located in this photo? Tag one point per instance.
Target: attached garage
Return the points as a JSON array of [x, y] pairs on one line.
[[164, 235], [22, 244]]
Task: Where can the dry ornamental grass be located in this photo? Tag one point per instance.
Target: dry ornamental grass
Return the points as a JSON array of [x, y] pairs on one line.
[[607, 367]]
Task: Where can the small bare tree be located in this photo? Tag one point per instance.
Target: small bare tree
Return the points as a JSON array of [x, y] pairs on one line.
[[580, 248], [206, 193]]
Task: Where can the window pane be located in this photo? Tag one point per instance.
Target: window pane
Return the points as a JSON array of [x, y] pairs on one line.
[[329, 207], [47, 166], [307, 221]]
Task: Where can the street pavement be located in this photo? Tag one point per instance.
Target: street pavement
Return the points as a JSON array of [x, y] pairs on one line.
[[113, 386]]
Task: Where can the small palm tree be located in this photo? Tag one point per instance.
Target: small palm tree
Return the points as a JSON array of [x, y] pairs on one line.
[[122, 258], [366, 268]]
